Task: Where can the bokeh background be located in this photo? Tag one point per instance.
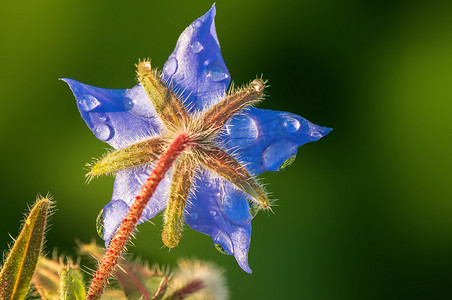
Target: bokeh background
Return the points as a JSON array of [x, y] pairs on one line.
[[365, 213]]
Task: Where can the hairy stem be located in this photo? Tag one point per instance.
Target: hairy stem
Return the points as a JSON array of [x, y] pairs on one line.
[[119, 240]]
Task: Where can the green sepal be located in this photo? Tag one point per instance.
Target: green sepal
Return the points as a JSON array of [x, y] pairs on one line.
[[71, 284], [167, 106], [20, 265], [134, 155]]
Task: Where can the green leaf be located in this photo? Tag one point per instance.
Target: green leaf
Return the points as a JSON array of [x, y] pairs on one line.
[[71, 284], [20, 265]]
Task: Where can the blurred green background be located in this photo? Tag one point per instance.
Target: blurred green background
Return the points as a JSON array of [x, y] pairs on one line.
[[365, 213]]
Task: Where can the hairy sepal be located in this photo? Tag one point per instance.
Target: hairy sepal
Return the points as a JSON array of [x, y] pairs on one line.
[[167, 105], [71, 283], [134, 155], [174, 213], [20, 265], [234, 102], [228, 167]]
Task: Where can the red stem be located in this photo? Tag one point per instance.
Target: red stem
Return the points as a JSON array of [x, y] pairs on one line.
[[121, 237]]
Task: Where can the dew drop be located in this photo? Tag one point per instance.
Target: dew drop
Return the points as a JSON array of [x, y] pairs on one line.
[[193, 216], [216, 72], [196, 47], [197, 24], [128, 103], [103, 118], [170, 67], [277, 153], [254, 207], [291, 125], [103, 132], [222, 242], [235, 208], [287, 163], [242, 129], [221, 249], [88, 103], [208, 185], [315, 134], [100, 224], [213, 213]]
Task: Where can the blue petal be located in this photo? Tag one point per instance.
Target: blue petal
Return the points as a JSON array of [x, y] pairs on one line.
[[117, 117], [264, 139], [128, 184], [220, 210], [196, 68]]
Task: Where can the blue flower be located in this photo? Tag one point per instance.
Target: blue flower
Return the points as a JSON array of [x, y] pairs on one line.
[[236, 142]]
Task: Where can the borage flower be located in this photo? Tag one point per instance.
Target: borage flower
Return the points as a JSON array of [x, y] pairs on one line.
[[211, 185]]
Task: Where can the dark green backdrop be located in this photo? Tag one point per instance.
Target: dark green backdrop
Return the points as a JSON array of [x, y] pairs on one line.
[[363, 214]]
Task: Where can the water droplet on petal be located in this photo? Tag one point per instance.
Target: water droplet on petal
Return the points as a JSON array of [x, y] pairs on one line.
[[315, 134], [88, 103], [128, 103], [213, 213], [222, 242], [215, 71], [290, 124], [193, 216], [287, 163], [103, 132], [103, 118], [196, 47], [235, 207], [170, 67], [197, 24], [221, 249], [242, 129], [254, 207], [100, 224], [207, 184], [277, 153]]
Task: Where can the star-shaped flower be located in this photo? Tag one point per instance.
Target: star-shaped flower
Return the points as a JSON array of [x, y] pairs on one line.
[[211, 186]]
